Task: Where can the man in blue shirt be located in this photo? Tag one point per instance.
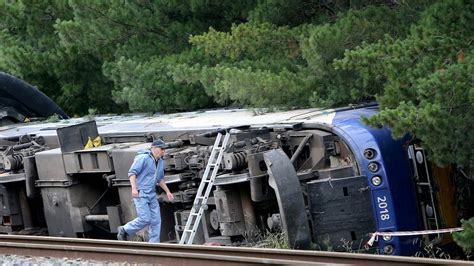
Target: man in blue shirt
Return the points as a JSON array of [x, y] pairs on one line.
[[146, 171]]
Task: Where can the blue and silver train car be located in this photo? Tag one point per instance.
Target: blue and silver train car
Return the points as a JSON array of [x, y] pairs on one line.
[[321, 177]]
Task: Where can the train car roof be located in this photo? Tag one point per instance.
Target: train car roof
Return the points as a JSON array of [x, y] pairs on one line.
[[197, 120]]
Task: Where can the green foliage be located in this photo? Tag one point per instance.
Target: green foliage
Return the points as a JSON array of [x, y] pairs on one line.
[[326, 43], [272, 240], [53, 119], [251, 41], [30, 49], [148, 87], [262, 64], [240, 70], [466, 238], [138, 42], [425, 80], [296, 12], [286, 12]]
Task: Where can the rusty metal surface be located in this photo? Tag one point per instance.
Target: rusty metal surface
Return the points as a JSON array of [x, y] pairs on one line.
[[172, 254]]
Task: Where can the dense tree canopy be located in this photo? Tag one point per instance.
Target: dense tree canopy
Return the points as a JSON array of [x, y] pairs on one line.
[[30, 48], [425, 80], [414, 57]]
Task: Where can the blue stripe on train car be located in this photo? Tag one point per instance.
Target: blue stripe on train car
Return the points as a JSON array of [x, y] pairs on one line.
[[394, 201]]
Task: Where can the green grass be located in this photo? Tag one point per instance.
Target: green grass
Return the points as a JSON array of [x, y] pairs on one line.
[[272, 240]]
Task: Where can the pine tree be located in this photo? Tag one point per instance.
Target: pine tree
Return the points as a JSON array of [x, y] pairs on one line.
[[30, 49]]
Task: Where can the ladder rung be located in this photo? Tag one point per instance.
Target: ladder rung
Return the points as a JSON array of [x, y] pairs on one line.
[[188, 231], [194, 214]]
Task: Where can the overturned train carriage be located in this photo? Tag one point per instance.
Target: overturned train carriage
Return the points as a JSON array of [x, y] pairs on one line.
[[321, 177], [318, 176]]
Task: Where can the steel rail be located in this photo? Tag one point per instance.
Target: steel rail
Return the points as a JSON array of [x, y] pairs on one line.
[[140, 252]]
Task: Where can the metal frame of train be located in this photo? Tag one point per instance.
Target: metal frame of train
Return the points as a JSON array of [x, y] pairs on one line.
[[322, 177]]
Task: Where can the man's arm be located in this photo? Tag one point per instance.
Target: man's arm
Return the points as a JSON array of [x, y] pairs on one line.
[[133, 182], [135, 169], [163, 185]]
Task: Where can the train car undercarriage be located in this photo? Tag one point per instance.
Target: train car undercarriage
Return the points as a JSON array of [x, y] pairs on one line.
[[320, 177]]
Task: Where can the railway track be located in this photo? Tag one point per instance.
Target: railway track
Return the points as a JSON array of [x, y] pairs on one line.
[[172, 254]]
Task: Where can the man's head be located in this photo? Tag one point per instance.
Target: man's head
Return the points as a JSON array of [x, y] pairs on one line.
[[158, 148]]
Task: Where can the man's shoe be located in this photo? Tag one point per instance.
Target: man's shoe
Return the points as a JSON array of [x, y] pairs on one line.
[[122, 234]]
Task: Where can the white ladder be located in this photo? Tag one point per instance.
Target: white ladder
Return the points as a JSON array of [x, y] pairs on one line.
[[200, 202]]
